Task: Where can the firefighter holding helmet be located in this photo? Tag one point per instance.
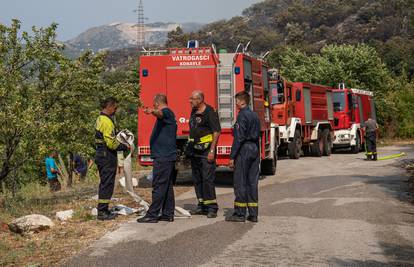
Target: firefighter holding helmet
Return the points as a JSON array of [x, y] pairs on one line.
[[106, 155]]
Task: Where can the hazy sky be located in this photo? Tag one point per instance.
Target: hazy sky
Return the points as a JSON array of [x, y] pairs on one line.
[[75, 16]]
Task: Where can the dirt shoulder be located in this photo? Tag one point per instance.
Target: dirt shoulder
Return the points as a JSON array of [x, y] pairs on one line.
[[66, 238]]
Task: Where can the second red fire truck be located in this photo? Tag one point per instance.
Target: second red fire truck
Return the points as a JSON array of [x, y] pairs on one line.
[[304, 114]]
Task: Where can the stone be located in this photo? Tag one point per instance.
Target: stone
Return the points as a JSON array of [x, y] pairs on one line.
[[64, 215], [31, 223], [94, 212]]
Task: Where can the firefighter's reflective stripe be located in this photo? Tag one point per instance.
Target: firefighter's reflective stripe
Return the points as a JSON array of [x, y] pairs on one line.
[[104, 201], [105, 131], [252, 204], [203, 140], [241, 205], [208, 202], [206, 139]]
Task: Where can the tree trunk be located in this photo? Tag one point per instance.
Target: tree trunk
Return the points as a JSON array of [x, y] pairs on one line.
[[11, 145], [70, 174]]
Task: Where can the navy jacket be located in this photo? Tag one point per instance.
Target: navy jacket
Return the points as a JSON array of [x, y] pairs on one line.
[[246, 129]]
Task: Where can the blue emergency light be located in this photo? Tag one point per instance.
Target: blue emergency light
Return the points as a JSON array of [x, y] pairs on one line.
[[237, 70], [144, 72], [192, 44]]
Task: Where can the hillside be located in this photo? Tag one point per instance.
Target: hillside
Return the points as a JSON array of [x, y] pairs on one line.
[[311, 24], [116, 36]]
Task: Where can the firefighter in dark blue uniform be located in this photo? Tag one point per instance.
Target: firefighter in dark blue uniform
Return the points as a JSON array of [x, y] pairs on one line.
[[245, 160], [204, 133], [371, 128], [106, 156], [164, 153]]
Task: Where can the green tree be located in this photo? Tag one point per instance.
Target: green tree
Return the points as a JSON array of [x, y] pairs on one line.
[[176, 38], [46, 100]]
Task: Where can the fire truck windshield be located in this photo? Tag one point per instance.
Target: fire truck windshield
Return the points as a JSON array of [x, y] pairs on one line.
[[339, 101]]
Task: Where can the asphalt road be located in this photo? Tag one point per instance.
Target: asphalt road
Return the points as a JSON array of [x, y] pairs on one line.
[[330, 211]]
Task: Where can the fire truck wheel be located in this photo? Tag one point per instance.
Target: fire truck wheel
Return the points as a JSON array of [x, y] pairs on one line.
[[327, 142], [357, 147], [295, 146], [317, 147]]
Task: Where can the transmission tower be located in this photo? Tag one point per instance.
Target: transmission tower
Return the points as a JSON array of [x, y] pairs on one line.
[[140, 25]]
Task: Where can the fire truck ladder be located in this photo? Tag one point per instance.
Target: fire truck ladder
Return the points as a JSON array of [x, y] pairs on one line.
[[225, 87]]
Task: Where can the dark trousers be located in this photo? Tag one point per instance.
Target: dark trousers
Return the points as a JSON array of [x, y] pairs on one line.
[[162, 189], [54, 185], [246, 180], [371, 141], [106, 161], [203, 173]]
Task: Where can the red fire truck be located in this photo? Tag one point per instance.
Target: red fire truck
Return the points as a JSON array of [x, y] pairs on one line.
[[304, 113], [178, 72], [352, 107]]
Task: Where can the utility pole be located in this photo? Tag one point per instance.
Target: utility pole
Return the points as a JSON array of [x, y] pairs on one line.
[[140, 25]]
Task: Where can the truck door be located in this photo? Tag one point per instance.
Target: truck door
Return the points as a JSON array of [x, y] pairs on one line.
[[361, 112], [350, 107], [308, 104], [373, 113], [248, 81]]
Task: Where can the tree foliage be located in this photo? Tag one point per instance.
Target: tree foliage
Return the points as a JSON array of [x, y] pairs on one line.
[[46, 100]]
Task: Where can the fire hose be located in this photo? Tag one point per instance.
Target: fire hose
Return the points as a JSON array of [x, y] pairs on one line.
[[394, 156], [127, 138]]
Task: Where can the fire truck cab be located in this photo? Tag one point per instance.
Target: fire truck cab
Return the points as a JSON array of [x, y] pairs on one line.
[[178, 72], [304, 114], [352, 107]]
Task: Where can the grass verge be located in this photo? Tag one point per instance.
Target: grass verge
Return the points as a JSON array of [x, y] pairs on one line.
[[53, 246]]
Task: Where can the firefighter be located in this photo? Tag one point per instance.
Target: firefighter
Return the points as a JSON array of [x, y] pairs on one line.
[[245, 160], [164, 153], [371, 128], [204, 133], [106, 156]]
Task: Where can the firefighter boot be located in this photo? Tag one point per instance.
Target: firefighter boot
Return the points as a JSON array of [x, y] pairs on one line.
[[374, 157], [235, 218], [106, 215], [211, 214], [369, 157], [252, 218], [199, 211]]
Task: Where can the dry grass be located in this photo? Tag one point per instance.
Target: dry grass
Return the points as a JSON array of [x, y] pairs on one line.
[[50, 247]]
